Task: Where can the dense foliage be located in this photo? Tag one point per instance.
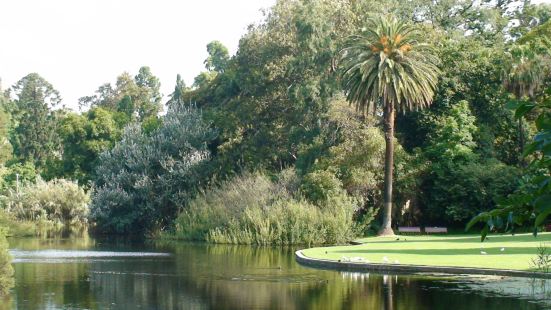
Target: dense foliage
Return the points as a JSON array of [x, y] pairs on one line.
[[85, 137], [146, 177], [531, 202]]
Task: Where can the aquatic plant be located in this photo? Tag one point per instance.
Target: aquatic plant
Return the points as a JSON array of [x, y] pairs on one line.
[[542, 261]]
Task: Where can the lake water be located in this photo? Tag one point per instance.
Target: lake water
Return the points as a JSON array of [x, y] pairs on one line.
[[86, 273]]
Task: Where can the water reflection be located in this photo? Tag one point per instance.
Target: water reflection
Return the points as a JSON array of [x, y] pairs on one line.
[[85, 273]]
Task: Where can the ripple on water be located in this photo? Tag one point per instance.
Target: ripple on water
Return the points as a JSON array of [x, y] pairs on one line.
[[63, 256]]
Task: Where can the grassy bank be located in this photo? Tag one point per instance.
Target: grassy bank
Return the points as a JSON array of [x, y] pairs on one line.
[[458, 251], [17, 228]]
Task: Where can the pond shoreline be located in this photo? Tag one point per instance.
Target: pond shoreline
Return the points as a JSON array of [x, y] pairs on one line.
[[408, 269]]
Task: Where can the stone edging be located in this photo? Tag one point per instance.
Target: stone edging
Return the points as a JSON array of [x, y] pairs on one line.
[[399, 268]]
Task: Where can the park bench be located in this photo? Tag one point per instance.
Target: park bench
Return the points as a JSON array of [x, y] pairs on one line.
[[409, 230], [436, 230]]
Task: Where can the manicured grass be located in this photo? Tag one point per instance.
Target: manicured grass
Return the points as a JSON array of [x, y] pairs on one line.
[[457, 251]]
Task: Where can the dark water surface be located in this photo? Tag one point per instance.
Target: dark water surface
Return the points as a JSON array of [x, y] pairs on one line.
[[84, 273]]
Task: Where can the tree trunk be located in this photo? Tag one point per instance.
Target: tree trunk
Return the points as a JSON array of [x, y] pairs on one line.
[[388, 114], [521, 143]]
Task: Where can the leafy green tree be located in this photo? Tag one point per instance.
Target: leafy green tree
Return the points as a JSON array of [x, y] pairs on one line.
[[269, 99], [458, 182], [85, 137], [348, 147], [35, 137], [452, 135], [218, 57], [138, 96], [388, 66], [203, 79], [148, 102], [105, 96]]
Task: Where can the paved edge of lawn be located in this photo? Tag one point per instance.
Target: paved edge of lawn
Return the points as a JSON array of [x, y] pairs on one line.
[[404, 269]]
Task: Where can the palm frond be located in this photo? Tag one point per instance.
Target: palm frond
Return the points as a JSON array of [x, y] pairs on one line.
[[388, 64]]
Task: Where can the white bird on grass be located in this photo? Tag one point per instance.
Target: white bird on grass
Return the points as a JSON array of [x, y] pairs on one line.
[[385, 259], [483, 253], [502, 249]]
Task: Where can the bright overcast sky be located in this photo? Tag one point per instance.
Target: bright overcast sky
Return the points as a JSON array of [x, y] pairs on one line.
[[77, 45]]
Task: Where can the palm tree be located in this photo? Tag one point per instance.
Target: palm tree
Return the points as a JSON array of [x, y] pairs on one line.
[[525, 71], [387, 66]]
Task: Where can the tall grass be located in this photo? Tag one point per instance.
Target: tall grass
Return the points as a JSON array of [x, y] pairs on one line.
[[251, 209], [56, 202]]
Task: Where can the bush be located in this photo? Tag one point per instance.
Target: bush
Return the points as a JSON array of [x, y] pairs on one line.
[[58, 201], [146, 177], [6, 270], [458, 192], [214, 207], [251, 209], [319, 185]]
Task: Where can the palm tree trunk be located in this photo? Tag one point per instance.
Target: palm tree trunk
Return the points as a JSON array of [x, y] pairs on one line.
[[521, 142], [388, 115]]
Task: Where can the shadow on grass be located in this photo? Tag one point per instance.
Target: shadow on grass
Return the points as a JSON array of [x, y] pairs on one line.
[[439, 252], [461, 239]]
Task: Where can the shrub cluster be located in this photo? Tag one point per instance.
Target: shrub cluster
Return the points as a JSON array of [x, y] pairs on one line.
[[142, 181], [252, 209], [58, 201]]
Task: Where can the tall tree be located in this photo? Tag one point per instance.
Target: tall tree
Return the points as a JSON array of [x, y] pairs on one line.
[[179, 90], [85, 136], [388, 66], [525, 74], [149, 98], [35, 138], [218, 57], [138, 96]]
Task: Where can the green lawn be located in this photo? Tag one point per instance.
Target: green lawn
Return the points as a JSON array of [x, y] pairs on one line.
[[451, 250]]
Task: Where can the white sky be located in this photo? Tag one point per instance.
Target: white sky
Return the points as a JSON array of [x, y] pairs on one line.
[[77, 45]]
